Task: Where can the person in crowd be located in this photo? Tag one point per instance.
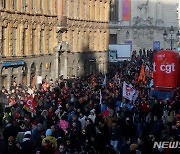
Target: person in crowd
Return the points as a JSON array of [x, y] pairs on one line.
[[115, 135], [61, 149], [27, 145], [49, 143], [11, 147]]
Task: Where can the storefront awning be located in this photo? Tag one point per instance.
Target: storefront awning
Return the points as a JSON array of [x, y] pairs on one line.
[[13, 63]]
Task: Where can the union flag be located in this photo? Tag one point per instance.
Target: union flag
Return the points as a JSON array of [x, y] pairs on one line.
[[30, 105]]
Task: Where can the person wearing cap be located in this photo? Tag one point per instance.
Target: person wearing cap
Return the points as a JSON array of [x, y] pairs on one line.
[[49, 143], [128, 128], [61, 149], [27, 145], [92, 115]]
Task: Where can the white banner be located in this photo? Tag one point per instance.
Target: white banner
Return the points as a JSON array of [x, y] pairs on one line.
[[39, 79], [128, 91]]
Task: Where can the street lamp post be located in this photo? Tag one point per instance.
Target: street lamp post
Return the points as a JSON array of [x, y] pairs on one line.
[[171, 40]]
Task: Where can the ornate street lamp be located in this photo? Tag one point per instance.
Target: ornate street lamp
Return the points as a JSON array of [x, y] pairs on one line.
[[171, 40]]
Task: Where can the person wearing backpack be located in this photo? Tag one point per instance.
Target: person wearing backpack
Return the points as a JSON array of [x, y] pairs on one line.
[[49, 143]]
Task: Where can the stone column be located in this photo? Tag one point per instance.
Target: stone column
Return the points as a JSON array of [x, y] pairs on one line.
[[1, 4], [1, 77], [80, 41], [74, 39], [1, 53], [107, 39], [8, 4], [87, 17], [10, 40], [159, 14], [65, 64], [70, 8], [101, 11], [56, 64], [96, 7], [20, 75], [81, 12], [106, 11], [29, 77], [0, 81], [93, 10], [75, 15], [90, 9], [119, 10], [9, 78]]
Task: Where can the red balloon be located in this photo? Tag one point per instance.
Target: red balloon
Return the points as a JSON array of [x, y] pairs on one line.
[[166, 69]]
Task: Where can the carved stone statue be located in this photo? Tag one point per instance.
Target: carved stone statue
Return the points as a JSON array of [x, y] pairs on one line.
[[143, 9], [143, 19]]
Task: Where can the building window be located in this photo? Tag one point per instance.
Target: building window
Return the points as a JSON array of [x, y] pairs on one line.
[[49, 41], [114, 10], [65, 9], [33, 41], [3, 36], [41, 6], [72, 40], [113, 39], [84, 9], [3, 4], [14, 3], [56, 6], [41, 42], [49, 7], [78, 8], [25, 5], [24, 41], [34, 5], [73, 7], [14, 30]]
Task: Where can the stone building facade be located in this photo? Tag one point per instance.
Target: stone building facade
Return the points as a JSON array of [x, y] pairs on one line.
[[49, 38], [28, 38], [146, 23], [87, 37]]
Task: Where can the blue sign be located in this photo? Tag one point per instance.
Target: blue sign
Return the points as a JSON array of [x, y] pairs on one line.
[[156, 45], [12, 63]]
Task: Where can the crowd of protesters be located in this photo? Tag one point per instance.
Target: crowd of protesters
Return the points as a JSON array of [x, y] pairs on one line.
[[73, 117]]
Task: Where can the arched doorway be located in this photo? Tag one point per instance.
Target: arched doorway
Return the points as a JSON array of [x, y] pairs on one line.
[[40, 70], [50, 76], [78, 69], [86, 67], [4, 73], [100, 68], [24, 75], [33, 75], [14, 75]]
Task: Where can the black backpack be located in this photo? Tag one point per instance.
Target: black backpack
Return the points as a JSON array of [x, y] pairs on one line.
[[48, 148]]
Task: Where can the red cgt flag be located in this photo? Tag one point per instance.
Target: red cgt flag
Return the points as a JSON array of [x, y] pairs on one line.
[[30, 105]]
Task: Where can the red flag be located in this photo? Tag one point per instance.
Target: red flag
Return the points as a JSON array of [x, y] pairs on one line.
[[30, 104], [105, 113]]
